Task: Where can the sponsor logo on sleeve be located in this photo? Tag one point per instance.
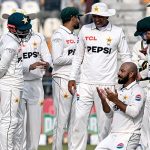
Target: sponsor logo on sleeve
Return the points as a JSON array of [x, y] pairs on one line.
[[120, 145], [138, 97]]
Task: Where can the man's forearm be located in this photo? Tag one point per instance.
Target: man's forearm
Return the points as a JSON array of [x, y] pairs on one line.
[[106, 107], [120, 105]]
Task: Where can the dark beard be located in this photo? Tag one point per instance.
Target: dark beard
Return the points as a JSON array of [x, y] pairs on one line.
[[148, 41], [76, 26], [124, 80]]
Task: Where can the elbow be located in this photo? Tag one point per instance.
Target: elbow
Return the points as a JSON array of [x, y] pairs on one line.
[[132, 112], [135, 114]]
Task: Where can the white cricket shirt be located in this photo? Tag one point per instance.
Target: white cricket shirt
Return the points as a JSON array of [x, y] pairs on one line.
[[35, 50], [63, 49], [97, 52], [130, 121], [11, 74]]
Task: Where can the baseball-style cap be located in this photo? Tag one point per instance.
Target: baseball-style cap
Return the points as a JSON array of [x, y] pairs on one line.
[[69, 12], [101, 9], [20, 21], [142, 26]]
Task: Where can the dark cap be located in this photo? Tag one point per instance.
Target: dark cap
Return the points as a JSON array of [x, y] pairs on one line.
[[20, 21], [69, 12], [143, 25]]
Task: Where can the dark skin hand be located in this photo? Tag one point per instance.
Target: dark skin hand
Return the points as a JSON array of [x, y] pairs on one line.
[[72, 87], [113, 97], [39, 64], [144, 50], [103, 96]]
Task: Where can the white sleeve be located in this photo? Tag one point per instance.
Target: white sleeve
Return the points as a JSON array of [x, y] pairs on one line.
[[135, 57], [110, 114], [123, 49], [78, 58], [137, 102], [45, 53], [6, 57], [58, 56]]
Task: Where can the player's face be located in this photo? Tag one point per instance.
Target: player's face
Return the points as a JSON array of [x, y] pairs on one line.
[[23, 34], [76, 21], [147, 36], [100, 21], [123, 75]]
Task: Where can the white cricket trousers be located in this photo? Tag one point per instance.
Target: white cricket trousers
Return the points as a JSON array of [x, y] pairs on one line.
[[145, 130], [28, 134], [87, 96], [63, 102], [123, 141], [9, 101]]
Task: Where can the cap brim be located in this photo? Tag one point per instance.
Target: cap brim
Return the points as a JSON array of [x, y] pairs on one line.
[[31, 16], [137, 33], [109, 13], [25, 27]]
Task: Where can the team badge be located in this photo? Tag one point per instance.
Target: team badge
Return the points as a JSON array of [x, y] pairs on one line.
[[125, 97], [120, 145], [96, 9], [34, 44], [25, 20], [138, 97], [66, 95], [109, 40]]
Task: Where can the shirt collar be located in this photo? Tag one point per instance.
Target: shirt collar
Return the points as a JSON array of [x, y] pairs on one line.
[[66, 29], [13, 36], [108, 27], [130, 85]]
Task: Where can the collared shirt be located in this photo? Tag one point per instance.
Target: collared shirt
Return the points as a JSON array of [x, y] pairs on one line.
[[35, 50], [63, 49], [138, 58], [130, 121], [97, 52], [11, 74]]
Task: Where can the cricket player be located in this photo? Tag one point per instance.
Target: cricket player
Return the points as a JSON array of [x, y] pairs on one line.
[[64, 42], [11, 76], [96, 56], [143, 29], [36, 59], [126, 107], [140, 58]]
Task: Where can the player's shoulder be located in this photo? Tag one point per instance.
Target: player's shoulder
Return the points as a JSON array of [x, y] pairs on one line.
[[37, 35], [87, 26], [59, 33], [138, 43], [137, 89], [11, 39], [116, 28]]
